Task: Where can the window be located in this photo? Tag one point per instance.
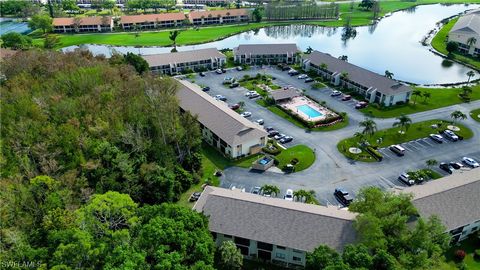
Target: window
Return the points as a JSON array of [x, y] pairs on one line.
[[227, 236], [242, 241], [280, 255], [297, 251], [280, 247], [264, 246], [457, 230], [474, 229], [297, 259]]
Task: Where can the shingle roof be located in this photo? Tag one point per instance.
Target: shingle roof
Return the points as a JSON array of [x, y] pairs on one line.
[[454, 199], [175, 16], [469, 22], [284, 94], [266, 49], [217, 116], [215, 13], [357, 74], [83, 21], [276, 221], [154, 60]]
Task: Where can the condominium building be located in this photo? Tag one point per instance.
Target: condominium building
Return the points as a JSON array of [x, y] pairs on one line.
[[173, 63], [152, 21], [266, 53], [219, 16], [466, 32], [373, 87], [206, 2], [221, 127], [85, 24]]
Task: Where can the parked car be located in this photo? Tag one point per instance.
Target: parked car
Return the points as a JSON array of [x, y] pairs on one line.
[[308, 79], [346, 97], [220, 97], [218, 71], [343, 196], [272, 133], [335, 93], [228, 80], [268, 129], [259, 121], [256, 190], [397, 149], [194, 197], [254, 96], [251, 93], [285, 67], [450, 135], [223, 70], [446, 167], [246, 114], [437, 138], [361, 105], [286, 139], [456, 165], [405, 178], [288, 195], [201, 74], [267, 194], [470, 162], [235, 106], [206, 88], [293, 72], [279, 136], [302, 76], [234, 84], [239, 68]]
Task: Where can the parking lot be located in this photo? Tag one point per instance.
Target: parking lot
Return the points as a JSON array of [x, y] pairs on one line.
[[331, 169]]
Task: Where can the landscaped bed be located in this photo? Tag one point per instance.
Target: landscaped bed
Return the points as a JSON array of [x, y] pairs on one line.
[[475, 114], [468, 245], [302, 155], [392, 136]]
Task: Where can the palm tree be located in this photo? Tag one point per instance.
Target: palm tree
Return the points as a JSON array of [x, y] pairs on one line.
[[300, 194], [431, 162], [309, 50], [403, 122], [416, 93], [324, 66], [310, 197], [369, 127], [241, 104], [173, 37], [458, 115], [343, 58], [388, 74], [466, 91], [271, 189], [470, 74], [426, 96], [305, 196], [360, 137], [471, 41]]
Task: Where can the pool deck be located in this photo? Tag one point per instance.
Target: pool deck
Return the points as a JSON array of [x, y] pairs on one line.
[[299, 101]]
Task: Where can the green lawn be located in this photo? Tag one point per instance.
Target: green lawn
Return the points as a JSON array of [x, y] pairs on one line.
[[475, 115], [440, 97], [468, 245], [439, 43], [392, 136], [303, 153]]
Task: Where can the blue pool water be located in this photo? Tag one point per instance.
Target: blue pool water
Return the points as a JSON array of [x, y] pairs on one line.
[[311, 112], [264, 161]]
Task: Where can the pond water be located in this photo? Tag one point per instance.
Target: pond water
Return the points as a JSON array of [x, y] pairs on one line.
[[393, 44]]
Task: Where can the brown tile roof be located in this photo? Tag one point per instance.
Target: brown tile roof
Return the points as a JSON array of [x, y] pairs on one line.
[[217, 116], [83, 21], [155, 60], [176, 16], [276, 221], [214, 13]]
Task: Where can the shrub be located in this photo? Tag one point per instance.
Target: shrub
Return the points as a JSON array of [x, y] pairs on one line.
[[374, 153], [476, 254], [460, 254]]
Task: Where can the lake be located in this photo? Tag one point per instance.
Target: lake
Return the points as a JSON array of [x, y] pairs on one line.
[[392, 44]]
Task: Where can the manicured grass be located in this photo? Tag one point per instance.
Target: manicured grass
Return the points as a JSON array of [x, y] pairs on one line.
[[392, 136], [468, 245], [439, 43], [303, 153], [475, 115], [440, 97]]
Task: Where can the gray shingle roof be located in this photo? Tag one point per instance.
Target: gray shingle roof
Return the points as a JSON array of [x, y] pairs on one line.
[[276, 221], [357, 74], [255, 49], [217, 116], [155, 60], [469, 22], [455, 199], [284, 94]]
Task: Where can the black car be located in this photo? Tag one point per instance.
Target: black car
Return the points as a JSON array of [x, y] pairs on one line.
[[446, 167], [201, 74], [456, 165], [284, 68], [206, 88], [224, 70], [307, 80], [343, 196], [269, 129], [194, 197], [286, 139], [272, 133], [235, 84]]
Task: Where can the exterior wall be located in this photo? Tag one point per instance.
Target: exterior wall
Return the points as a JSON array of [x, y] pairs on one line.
[[463, 232], [219, 20], [461, 37], [173, 68], [152, 25], [288, 58], [284, 256], [245, 148], [82, 28]]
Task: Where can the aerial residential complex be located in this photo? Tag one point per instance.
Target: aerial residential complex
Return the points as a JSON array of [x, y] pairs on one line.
[[233, 135], [219, 16], [466, 32], [374, 87], [282, 232], [86, 24], [173, 63], [266, 53], [151, 21]]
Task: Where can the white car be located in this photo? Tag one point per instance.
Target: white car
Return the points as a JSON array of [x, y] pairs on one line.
[[259, 121], [470, 162], [279, 136], [288, 195], [451, 135], [239, 68], [218, 71], [246, 114], [302, 76], [250, 93], [220, 97], [335, 93], [437, 138], [405, 178]]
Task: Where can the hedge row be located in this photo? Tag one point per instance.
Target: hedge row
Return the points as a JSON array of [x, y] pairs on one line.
[[374, 153]]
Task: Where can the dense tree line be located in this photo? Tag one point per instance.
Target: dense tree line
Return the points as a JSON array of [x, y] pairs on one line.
[[281, 11]]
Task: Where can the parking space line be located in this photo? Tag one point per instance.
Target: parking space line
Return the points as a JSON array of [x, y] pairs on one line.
[[420, 145], [427, 142], [405, 146]]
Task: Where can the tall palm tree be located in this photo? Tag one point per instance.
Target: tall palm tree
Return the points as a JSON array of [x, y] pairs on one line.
[[310, 197], [300, 194], [470, 74], [416, 93], [360, 137], [369, 127], [309, 50], [458, 115], [305, 196], [272, 189], [431, 162], [173, 37], [343, 58], [403, 122], [471, 41], [389, 74], [426, 96]]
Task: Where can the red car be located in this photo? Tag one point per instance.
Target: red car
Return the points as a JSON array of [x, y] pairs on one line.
[[346, 97], [235, 106]]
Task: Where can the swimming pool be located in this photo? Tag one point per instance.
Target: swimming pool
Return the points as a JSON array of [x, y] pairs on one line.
[[309, 111]]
